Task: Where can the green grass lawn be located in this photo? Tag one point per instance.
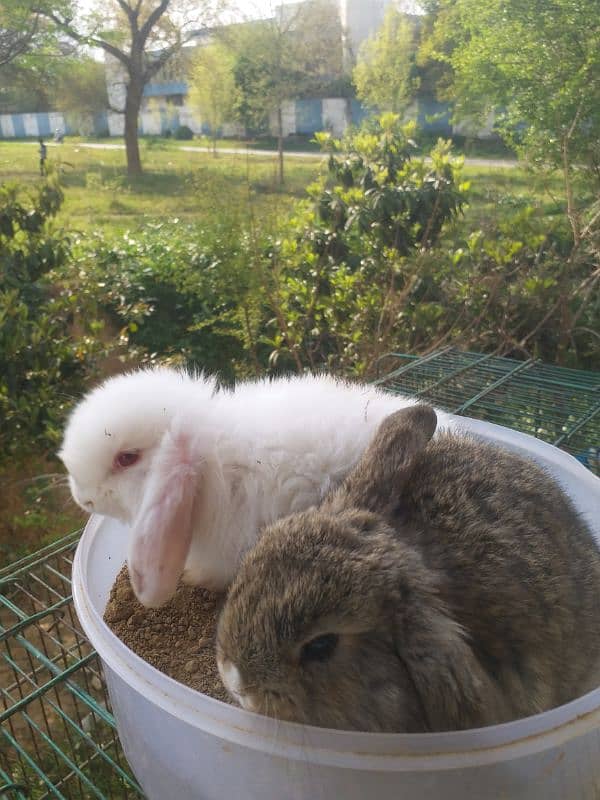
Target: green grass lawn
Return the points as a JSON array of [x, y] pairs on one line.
[[189, 186], [196, 186]]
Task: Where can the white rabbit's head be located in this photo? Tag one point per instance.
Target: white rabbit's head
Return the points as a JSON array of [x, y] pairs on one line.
[[131, 455]]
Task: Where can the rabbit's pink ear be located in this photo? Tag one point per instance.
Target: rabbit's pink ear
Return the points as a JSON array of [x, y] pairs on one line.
[[162, 531]]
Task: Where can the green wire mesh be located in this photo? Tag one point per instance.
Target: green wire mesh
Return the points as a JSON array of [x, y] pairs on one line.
[[57, 732], [558, 405]]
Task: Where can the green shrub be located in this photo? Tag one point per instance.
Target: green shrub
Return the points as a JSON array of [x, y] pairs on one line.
[[180, 293], [518, 287], [184, 133], [339, 273], [378, 260], [42, 361], [375, 259]]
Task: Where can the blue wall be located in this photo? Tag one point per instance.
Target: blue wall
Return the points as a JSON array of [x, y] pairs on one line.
[[42, 126], [309, 116], [358, 112], [434, 117], [431, 116], [160, 89], [18, 125], [43, 122]]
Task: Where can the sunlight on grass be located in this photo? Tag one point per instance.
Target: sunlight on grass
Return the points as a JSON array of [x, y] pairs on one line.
[[191, 186]]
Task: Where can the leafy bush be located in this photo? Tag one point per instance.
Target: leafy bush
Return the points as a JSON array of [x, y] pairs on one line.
[[510, 288], [338, 273], [179, 293], [42, 362], [520, 287], [376, 258], [184, 133]]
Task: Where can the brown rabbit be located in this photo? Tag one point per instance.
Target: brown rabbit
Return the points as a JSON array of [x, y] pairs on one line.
[[446, 584]]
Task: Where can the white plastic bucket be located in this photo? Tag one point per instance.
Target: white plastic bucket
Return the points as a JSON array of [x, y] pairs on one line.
[[183, 745]]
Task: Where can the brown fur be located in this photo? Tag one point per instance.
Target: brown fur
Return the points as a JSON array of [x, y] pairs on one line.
[[461, 582]]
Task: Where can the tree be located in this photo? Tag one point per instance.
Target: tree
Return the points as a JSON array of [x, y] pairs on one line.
[[30, 55], [19, 29], [385, 74], [25, 87], [142, 35], [537, 65], [275, 63], [212, 86], [80, 90]]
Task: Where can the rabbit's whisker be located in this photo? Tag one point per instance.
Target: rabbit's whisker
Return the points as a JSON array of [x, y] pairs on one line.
[[55, 477]]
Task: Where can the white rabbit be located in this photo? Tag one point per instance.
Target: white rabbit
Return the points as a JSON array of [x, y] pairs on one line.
[[196, 471]]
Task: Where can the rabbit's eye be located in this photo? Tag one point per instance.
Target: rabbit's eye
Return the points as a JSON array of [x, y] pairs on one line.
[[126, 458], [321, 648]]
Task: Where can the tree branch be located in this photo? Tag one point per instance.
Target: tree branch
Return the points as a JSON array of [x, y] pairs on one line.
[[14, 43], [126, 9], [571, 210], [65, 26], [152, 20], [131, 14], [114, 51], [156, 64]]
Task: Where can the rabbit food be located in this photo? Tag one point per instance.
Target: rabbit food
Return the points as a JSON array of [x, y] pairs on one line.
[[177, 638]]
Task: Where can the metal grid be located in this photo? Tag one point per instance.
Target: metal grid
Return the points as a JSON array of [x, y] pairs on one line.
[[57, 733], [558, 405]]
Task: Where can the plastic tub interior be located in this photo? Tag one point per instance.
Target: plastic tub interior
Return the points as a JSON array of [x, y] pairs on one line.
[[184, 745]]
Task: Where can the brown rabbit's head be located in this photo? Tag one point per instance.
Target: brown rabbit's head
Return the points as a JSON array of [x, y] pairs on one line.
[[333, 620]]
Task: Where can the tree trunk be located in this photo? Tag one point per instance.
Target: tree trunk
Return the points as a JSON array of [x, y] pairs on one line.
[[347, 114], [133, 103], [280, 142]]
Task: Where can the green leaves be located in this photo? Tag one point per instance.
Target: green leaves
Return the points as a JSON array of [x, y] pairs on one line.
[[212, 85], [385, 75], [41, 360], [536, 64], [341, 270], [377, 192], [176, 292]]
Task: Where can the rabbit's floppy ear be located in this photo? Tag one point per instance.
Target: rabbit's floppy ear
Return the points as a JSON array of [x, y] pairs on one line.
[[162, 530], [453, 689], [387, 461]]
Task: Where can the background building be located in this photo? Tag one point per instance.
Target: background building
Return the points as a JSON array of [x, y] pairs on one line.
[[164, 105]]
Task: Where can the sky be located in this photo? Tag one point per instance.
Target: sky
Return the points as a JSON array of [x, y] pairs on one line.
[[252, 9], [244, 9], [257, 8]]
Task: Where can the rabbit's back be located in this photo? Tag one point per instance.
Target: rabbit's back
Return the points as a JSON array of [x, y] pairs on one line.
[[520, 569], [298, 436]]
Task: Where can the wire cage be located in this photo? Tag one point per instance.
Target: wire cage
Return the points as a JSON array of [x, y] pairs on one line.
[[58, 737], [558, 405], [57, 733]]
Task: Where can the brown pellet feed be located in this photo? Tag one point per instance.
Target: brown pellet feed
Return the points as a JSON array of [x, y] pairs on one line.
[[178, 638]]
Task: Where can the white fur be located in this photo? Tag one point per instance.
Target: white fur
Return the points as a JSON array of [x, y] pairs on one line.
[[232, 680], [267, 449]]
